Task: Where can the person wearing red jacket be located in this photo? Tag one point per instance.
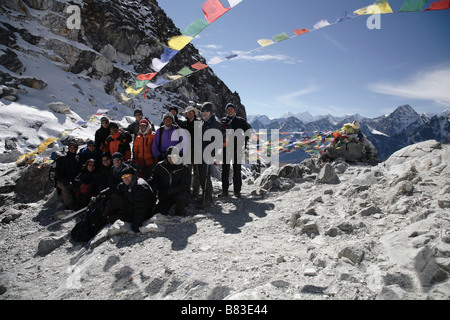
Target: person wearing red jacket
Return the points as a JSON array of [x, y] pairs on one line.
[[142, 149], [118, 141]]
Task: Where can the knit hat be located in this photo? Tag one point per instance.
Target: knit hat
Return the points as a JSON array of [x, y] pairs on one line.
[[230, 105], [90, 142], [144, 122], [128, 170], [138, 111], [117, 155], [169, 115], [113, 125], [173, 108], [72, 143], [104, 119], [207, 106]]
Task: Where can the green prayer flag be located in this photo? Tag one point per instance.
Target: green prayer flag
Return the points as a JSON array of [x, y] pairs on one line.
[[412, 5], [195, 28], [141, 83], [185, 71], [280, 37]]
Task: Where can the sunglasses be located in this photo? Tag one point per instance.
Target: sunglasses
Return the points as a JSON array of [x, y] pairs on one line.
[[126, 176]]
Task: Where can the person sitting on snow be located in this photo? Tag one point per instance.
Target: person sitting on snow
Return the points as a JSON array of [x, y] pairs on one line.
[[171, 180], [86, 184], [133, 200]]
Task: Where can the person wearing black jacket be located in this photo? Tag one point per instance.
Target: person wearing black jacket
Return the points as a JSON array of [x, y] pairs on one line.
[[209, 122], [233, 122], [192, 124], [67, 169], [171, 179], [86, 184], [101, 134], [133, 200]]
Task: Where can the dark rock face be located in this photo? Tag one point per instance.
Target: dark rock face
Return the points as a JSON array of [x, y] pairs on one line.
[[115, 37]]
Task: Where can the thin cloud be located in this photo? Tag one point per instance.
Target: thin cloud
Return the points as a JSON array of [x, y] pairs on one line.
[[432, 85], [267, 57], [291, 99]]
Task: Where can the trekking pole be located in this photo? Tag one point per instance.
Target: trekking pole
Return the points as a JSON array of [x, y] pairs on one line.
[[206, 181]]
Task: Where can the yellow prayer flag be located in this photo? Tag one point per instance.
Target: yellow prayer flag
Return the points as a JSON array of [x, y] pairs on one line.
[[129, 90], [174, 77], [125, 98], [179, 42], [265, 42], [374, 9]]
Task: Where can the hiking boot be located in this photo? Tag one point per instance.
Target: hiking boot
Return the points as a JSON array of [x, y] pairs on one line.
[[237, 195], [223, 194]]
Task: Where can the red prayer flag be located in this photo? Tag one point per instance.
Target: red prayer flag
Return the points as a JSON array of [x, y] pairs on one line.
[[148, 76], [199, 66], [439, 5], [300, 31], [213, 9]]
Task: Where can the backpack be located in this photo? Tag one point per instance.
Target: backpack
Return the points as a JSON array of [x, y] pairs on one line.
[[93, 221]]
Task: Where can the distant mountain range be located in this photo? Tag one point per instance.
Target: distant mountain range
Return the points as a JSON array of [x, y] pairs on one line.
[[388, 133]]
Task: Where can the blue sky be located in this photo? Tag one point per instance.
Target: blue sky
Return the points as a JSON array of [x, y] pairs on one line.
[[344, 68]]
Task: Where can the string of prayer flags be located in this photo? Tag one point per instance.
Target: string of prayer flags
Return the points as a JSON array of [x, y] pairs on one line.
[[179, 42], [412, 5], [213, 9], [439, 5]]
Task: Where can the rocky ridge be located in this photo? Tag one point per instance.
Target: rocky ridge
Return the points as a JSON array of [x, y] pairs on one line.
[[333, 231], [116, 41]]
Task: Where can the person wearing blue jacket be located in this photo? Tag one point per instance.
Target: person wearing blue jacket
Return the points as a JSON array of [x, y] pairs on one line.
[[168, 135]]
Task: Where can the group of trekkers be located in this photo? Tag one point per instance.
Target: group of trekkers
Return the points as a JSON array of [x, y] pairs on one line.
[[146, 171]]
